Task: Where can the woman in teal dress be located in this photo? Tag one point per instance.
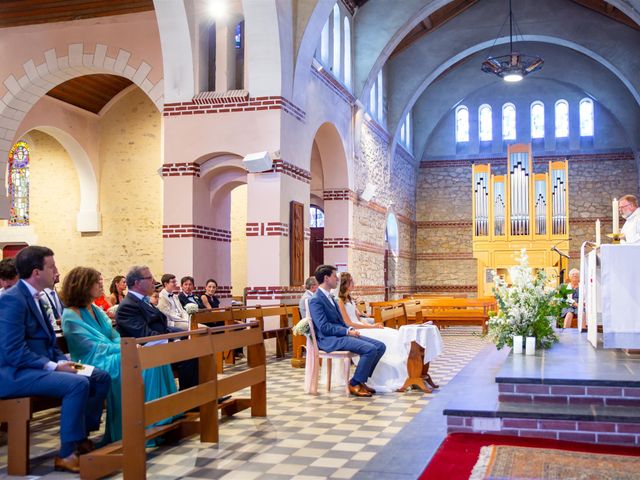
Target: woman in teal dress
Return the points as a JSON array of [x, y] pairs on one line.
[[92, 341]]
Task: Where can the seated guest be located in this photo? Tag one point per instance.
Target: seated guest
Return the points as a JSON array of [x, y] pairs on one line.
[[102, 302], [117, 290], [333, 334], [155, 296], [187, 296], [169, 305], [571, 312], [31, 364], [137, 318], [391, 371], [8, 274], [93, 341], [209, 299], [311, 285]]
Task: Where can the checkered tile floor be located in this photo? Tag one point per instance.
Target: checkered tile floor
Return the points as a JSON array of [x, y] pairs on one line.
[[305, 437]]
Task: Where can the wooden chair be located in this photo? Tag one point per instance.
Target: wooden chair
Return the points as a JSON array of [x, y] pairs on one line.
[[314, 354]]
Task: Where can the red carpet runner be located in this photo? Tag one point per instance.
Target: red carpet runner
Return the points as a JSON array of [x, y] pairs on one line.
[[459, 452]]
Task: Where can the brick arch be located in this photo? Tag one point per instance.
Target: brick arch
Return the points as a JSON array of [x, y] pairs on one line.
[[36, 80]]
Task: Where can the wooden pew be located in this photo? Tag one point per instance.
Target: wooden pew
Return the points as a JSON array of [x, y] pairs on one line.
[[458, 311], [129, 454], [413, 312], [211, 317], [299, 342], [374, 306], [392, 317]]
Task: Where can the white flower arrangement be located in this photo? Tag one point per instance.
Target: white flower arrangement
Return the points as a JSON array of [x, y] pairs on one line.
[[302, 327], [191, 308], [529, 307], [112, 310]]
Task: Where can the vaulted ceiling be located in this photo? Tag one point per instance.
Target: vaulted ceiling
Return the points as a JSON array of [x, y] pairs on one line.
[[90, 92], [14, 13]]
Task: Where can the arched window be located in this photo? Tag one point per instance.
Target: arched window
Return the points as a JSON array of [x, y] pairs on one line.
[[373, 100], [562, 119], [392, 234], [408, 122], [347, 51], [484, 123], [316, 217], [586, 117], [336, 41], [324, 44], [508, 121], [380, 92], [537, 120], [462, 124], [19, 184]]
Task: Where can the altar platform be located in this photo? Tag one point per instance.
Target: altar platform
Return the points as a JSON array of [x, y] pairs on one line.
[[569, 392]]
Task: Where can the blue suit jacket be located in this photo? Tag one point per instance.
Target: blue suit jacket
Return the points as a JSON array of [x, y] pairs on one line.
[[328, 322], [27, 341]]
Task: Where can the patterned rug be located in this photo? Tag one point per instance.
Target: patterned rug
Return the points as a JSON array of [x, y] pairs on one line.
[[504, 461]]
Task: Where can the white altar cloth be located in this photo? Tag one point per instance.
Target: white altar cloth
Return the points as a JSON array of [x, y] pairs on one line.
[[427, 336]]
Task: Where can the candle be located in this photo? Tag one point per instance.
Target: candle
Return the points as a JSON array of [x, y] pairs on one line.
[[616, 216], [531, 345], [517, 344], [598, 232]]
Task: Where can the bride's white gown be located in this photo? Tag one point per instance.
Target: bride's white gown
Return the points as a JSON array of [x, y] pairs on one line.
[[391, 372]]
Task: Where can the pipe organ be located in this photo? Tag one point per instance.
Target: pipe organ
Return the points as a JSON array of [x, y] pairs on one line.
[[519, 209]]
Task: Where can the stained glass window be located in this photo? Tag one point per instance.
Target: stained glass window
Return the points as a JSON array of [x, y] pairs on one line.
[[562, 118], [462, 124], [238, 36], [509, 121], [485, 125], [537, 120], [19, 184], [316, 217], [586, 117]]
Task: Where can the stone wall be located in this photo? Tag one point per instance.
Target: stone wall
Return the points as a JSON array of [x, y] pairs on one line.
[[444, 259]]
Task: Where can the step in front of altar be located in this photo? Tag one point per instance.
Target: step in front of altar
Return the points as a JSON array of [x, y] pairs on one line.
[[569, 392]]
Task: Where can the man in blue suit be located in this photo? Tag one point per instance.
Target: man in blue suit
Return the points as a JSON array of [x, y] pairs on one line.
[[333, 334], [31, 364]]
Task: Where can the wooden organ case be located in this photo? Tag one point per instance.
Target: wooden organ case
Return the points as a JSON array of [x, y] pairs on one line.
[[516, 210]]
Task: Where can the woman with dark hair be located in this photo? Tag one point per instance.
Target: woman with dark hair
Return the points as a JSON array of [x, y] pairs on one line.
[[91, 340], [117, 290], [209, 299]]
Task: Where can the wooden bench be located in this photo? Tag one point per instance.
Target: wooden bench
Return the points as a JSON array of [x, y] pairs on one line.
[[413, 312], [299, 342], [17, 414], [374, 306], [445, 312], [393, 316], [204, 344]]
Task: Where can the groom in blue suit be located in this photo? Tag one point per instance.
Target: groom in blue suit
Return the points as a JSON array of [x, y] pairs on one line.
[[333, 334], [31, 364]]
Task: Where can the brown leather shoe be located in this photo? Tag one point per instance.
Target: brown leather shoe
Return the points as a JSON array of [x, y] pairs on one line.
[[85, 446], [368, 388], [67, 464], [358, 391]]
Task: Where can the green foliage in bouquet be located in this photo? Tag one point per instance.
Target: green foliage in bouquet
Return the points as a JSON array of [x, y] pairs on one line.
[[528, 307]]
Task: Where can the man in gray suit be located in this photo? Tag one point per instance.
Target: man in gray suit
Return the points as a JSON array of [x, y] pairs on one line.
[[311, 285]]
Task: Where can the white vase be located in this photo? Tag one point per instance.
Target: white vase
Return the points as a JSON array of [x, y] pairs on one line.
[[517, 344], [531, 346]]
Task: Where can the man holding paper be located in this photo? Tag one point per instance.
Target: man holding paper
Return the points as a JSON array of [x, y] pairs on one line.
[[628, 208], [32, 364]]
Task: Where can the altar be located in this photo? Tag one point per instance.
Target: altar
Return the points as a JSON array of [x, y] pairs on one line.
[[611, 295]]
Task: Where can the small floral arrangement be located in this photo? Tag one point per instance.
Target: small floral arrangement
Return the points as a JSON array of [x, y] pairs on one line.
[[112, 310], [191, 308], [302, 327], [529, 307]]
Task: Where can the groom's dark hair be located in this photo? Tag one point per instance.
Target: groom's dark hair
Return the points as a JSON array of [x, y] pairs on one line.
[[31, 258], [322, 271]]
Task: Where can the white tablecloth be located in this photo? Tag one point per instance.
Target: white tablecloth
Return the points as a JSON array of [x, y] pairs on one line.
[[427, 336]]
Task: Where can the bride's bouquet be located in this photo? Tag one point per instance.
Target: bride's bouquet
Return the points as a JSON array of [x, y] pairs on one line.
[[191, 308], [302, 327]]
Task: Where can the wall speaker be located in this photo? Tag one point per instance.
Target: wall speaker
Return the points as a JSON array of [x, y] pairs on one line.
[[368, 192], [257, 162]]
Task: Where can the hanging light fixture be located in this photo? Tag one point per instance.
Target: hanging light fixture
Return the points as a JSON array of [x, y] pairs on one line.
[[514, 66]]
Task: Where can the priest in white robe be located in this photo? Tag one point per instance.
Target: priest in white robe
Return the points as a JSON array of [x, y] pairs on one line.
[[628, 207]]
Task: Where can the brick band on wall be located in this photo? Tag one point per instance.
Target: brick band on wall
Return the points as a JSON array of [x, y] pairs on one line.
[[180, 170], [267, 229], [280, 166], [196, 231], [340, 194], [202, 106]]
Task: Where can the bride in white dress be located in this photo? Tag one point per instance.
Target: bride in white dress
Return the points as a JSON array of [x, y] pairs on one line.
[[391, 371]]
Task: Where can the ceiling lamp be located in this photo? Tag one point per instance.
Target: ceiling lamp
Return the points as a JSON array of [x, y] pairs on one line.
[[514, 66]]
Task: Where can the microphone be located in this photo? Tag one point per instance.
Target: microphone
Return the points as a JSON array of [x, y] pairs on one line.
[[559, 252]]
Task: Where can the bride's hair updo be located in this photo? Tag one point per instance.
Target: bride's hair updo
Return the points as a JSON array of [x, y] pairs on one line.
[[345, 282]]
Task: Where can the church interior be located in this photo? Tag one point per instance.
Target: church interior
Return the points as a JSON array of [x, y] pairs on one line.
[[252, 141]]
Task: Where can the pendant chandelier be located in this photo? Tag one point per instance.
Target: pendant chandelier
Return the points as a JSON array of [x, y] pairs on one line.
[[514, 66]]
